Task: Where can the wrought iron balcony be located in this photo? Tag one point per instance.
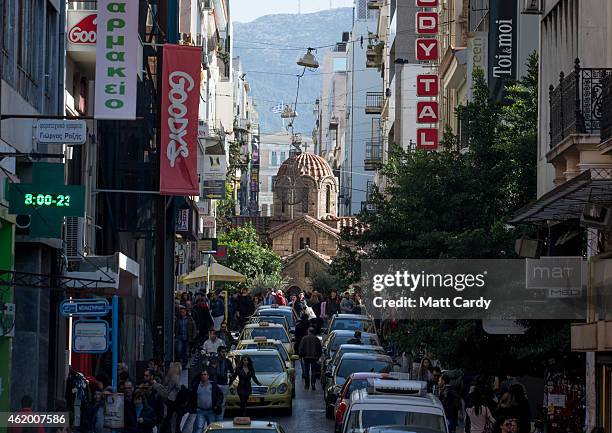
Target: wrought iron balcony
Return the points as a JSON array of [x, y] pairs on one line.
[[606, 109], [374, 102], [576, 103], [373, 155]]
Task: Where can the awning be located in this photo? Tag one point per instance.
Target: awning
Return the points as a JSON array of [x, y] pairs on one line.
[[567, 201], [218, 272]]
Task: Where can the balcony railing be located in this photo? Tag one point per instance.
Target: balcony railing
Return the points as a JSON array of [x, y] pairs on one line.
[[606, 109], [576, 103], [373, 155], [374, 102]]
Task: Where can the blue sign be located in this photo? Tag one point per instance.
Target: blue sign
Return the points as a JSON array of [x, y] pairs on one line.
[[90, 336], [84, 307]]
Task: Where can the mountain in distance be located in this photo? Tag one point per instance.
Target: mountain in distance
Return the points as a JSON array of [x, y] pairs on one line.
[[269, 47]]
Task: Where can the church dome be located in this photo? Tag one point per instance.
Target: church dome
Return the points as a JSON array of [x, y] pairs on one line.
[[307, 164]]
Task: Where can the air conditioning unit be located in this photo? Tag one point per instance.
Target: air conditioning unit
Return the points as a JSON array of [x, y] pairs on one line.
[[74, 239], [532, 7], [596, 216]]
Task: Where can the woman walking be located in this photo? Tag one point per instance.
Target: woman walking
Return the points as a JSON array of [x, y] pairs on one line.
[[479, 418], [170, 389], [245, 374]]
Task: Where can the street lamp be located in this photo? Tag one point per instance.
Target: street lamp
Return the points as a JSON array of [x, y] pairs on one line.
[[308, 60], [288, 113]]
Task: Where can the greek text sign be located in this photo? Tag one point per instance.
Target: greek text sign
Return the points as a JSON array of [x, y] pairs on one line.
[[179, 130], [117, 59], [61, 131], [90, 336]]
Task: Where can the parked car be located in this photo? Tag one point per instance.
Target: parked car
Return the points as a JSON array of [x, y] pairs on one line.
[[352, 363], [244, 425], [329, 363], [278, 310], [352, 322], [336, 338], [395, 403]]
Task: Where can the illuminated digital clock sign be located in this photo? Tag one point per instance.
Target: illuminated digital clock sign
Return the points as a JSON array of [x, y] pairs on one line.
[[46, 199], [42, 199]]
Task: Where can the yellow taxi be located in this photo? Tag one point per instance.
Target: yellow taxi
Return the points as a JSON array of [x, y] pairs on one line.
[[244, 425], [265, 343], [276, 381], [272, 331]]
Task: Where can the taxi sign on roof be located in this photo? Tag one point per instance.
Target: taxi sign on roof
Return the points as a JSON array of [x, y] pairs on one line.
[[242, 420]]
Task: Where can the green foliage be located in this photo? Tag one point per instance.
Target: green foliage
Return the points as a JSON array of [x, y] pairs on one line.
[[263, 282], [248, 255], [455, 204]]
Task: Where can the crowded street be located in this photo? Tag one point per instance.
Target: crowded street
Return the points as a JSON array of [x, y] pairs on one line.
[[318, 216]]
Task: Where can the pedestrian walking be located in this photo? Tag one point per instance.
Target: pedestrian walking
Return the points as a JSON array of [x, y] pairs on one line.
[[186, 332], [310, 351], [217, 309], [514, 404], [245, 374], [225, 335], [300, 305], [479, 418], [169, 390], [203, 318], [244, 308], [208, 399], [280, 298], [220, 371], [213, 343], [143, 413], [347, 304], [424, 372], [451, 400]]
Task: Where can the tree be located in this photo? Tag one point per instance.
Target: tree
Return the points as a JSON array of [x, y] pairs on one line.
[[456, 204], [263, 282], [248, 255]]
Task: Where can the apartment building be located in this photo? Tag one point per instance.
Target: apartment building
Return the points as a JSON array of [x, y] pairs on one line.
[[575, 172]]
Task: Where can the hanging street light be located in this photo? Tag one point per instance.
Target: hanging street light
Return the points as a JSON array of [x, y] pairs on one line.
[[308, 60]]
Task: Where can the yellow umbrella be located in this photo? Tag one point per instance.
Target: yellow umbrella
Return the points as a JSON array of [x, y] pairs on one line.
[[218, 272]]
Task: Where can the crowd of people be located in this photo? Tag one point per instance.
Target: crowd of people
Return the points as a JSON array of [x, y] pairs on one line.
[[486, 406]]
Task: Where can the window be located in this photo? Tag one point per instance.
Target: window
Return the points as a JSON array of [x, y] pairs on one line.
[[307, 269], [50, 77], [274, 159], [302, 244], [28, 49], [271, 183], [328, 199], [305, 202], [283, 156], [308, 242], [264, 210]]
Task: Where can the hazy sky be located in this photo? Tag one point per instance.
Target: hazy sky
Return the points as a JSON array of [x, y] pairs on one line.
[[248, 10]]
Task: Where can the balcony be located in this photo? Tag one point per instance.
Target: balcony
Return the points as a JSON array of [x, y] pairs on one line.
[[374, 102], [242, 124], [606, 115], [333, 122], [576, 113], [375, 4], [373, 155]]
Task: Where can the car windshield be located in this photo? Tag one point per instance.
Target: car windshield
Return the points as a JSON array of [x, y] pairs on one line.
[[288, 314], [364, 325], [356, 384], [342, 351], [279, 347], [272, 333], [363, 419], [349, 366], [245, 430], [266, 364], [271, 319], [338, 340]]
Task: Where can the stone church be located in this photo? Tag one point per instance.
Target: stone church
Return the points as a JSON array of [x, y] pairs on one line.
[[305, 230]]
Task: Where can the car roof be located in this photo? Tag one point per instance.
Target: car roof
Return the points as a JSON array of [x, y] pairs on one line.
[[361, 347], [253, 341], [258, 325], [278, 307], [267, 352], [400, 429], [362, 396], [351, 316], [366, 356], [368, 375], [229, 425], [350, 332]]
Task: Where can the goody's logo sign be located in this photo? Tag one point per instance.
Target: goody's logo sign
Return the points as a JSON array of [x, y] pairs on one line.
[[179, 132]]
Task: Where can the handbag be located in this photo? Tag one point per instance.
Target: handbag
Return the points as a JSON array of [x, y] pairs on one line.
[[488, 426]]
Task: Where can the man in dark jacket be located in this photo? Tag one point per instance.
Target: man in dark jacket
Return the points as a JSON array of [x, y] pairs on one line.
[[220, 370], [244, 308], [202, 318], [207, 401], [310, 350], [299, 305], [451, 401], [301, 330], [186, 332]]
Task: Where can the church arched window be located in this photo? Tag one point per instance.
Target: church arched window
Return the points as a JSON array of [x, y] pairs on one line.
[[307, 269], [328, 199], [302, 245]]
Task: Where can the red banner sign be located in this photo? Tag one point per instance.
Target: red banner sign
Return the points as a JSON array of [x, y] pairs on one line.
[[426, 23], [178, 159], [427, 3], [427, 49], [427, 112], [427, 85]]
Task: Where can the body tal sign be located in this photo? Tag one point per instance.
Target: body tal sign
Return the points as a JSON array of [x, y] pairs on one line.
[[179, 130]]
